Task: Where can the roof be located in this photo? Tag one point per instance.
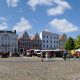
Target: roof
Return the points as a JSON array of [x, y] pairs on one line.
[[49, 33], [63, 37], [46, 32], [21, 35], [5, 31]]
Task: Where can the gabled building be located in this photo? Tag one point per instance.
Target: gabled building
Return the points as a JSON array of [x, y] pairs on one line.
[[62, 40], [25, 42], [36, 42]]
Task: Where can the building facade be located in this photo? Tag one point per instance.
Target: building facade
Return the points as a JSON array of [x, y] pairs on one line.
[[62, 40], [36, 42], [25, 42], [8, 41], [49, 40]]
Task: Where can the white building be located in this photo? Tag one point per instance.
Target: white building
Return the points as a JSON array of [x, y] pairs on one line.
[[49, 40], [8, 41]]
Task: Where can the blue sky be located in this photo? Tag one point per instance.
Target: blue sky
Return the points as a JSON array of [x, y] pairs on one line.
[[57, 16]]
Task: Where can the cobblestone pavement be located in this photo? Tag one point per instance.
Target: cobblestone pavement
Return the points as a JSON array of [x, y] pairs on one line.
[[23, 68]]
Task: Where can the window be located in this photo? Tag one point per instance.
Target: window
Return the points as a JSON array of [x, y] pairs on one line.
[[1, 43], [51, 37], [8, 43], [23, 43], [18, 43], [47, 41], [50, 41], [33, 45], [43, 45], [40, 45], [44, 41], [8, 38], [51, 46], [12, 38], [36, 45], [5, 38], [43, 36], [57, 41], [54, 41], [54, 37], [25, 36], [12, 44], [2, 39], [5, 43], [8, 49], [5, 49], [47, 36], [47, 46]]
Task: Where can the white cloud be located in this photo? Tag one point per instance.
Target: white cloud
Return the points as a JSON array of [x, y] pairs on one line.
[[63, 25], [22, 25], [55, 11], [46, 30], [59, 8], [3, 24], [34, 3], [12, 3], [62, 3], [3, 18]]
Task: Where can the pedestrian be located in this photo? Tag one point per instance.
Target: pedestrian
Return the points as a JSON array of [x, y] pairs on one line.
[[65, 54]]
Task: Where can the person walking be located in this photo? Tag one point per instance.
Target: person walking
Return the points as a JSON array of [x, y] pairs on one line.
[[64, 55]]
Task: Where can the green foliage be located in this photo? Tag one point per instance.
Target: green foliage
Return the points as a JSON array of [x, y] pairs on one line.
[[70, 44], [77, 42]]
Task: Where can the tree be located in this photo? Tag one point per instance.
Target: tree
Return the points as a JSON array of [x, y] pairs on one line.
[[70, 44], [77, 42]]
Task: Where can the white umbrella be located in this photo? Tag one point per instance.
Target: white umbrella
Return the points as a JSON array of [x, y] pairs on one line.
[[77, 50]]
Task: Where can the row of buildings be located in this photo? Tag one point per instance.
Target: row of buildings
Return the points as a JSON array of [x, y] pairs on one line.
[[11, 42]]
